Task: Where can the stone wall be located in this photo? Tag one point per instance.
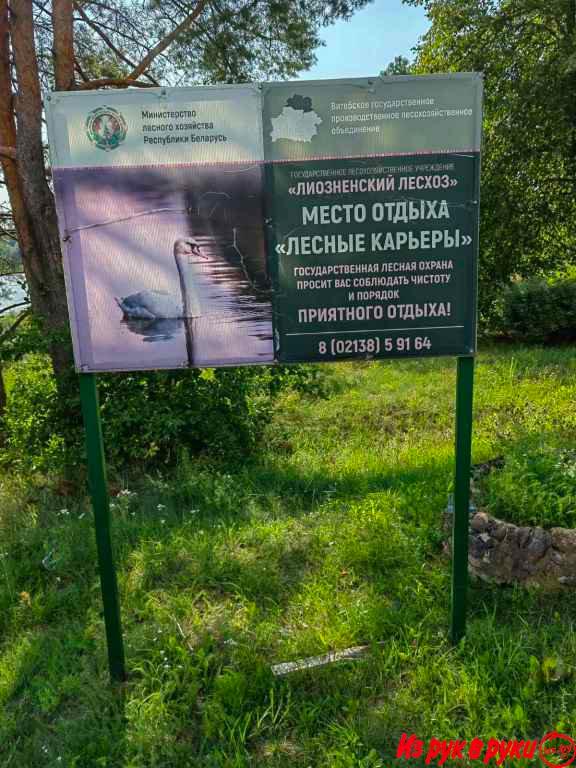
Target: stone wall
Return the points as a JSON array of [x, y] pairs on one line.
[[504, 553]]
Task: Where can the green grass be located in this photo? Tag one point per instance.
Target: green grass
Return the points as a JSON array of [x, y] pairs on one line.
[[329, 538]]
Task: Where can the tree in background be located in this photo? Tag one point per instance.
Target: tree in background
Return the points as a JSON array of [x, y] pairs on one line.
[[400, 66], [88, 44], [527, 52]]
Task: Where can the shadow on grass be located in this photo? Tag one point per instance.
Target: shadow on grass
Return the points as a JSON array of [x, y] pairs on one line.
[[56, 698], [219, 565]]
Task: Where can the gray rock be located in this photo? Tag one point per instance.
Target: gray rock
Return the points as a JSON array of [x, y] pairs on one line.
[[539, 543], [500, 531], [523, 536], [564, 540], [504, 553], [480, 522]]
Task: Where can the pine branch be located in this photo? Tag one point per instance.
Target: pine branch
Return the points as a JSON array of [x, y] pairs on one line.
[[116, 82], [168, 40], [103, 36]]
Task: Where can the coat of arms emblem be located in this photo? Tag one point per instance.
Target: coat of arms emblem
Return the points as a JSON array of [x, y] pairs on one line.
[[106, 128]]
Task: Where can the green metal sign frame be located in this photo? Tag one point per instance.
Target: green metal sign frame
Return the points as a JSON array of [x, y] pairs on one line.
[[464, 401], [98, 486]]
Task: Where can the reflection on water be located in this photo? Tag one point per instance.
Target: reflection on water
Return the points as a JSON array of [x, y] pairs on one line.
[[162, 329], [236, 321]]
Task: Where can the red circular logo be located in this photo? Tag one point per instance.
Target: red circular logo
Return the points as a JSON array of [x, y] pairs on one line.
[[557, 750]]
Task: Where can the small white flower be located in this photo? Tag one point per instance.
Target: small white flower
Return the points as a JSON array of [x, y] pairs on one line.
[[159, 507], [163, 521]]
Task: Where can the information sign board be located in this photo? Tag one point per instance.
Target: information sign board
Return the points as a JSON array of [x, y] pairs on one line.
[[248, 224]]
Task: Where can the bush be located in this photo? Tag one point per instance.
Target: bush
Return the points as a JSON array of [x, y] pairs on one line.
[[147, 418], [537, 485], [32, 438], [540, 311]]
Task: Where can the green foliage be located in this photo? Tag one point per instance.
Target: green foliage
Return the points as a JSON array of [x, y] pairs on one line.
[[526, 52], [230, 41], [400, 66], [148, 418], [252, 41], [328, 538], [30, 422], [537, 485], [151, 417], [30, 338], [540, 311], [10, 260]]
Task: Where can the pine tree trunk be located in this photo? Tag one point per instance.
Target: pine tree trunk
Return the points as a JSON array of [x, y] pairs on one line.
[[31, 199]]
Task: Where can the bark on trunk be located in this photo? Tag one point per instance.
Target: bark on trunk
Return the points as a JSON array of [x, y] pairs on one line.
[[63, 44], [41, 253]]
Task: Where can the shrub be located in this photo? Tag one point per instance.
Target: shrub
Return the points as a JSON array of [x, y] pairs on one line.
[[147, 418], [540, 311], [537, 485], [32, 439]]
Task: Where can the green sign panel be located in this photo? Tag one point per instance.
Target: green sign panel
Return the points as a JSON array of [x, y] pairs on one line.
[[373, 190]]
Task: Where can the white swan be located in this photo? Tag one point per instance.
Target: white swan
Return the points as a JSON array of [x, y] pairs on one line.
[[191, 264], [161, 305], [150, 305]]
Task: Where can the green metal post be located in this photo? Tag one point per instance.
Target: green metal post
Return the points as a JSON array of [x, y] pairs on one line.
[[464, 397], [99, 493]]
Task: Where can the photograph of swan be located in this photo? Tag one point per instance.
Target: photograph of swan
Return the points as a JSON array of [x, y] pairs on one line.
[[161, 305], [150, 305], [168, 266]]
